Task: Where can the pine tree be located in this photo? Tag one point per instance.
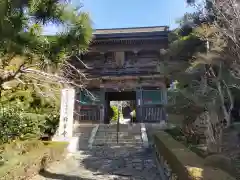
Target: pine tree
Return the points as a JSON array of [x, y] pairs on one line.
[[28, 56]]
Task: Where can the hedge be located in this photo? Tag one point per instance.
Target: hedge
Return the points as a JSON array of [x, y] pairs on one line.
[[29, 159], [185, 163]]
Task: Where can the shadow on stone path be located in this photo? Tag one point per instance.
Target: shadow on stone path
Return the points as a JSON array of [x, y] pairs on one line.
[[105, 163], [129, 162]]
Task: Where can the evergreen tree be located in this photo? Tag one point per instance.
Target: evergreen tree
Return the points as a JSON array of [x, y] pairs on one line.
[[33, 66], [28, 56]]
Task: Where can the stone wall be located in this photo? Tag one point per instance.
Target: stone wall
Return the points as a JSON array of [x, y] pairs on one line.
[[177, 162], [231, 146], [164, 168]]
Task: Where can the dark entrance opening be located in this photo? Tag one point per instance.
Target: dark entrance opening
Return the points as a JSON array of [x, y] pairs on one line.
[[117, 96]]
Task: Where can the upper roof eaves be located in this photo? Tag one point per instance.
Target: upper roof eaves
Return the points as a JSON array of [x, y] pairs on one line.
[[132, 30]]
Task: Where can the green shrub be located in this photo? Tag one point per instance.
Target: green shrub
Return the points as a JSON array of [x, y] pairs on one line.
[[38, 156], [51, 123], [17, 125], [116, 113], [23, 108], [134, 113]]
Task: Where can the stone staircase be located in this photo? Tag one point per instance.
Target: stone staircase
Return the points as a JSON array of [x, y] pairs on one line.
[[129, 135], [105, 159], [106, 135]]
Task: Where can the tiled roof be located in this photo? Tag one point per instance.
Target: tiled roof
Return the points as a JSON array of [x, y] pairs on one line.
[[132, 30]]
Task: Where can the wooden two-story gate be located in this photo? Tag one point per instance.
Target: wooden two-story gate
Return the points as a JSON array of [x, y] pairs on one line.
[[123, 64]]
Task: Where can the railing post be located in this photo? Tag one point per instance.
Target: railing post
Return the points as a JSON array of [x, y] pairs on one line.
[[141, 104], [118, 126]]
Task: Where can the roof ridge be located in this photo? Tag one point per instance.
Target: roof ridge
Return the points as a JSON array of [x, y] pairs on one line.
[[140, 27], [132, 30]]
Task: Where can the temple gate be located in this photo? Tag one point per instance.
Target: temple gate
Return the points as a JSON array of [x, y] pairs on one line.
[[126, 62]]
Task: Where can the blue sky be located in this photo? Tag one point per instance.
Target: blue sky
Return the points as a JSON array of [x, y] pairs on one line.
[[131, 13]]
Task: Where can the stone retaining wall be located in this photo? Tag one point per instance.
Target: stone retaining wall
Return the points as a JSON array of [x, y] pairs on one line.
[[164, 167], [178, 162]]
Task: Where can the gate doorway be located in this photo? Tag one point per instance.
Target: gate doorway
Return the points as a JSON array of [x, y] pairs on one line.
[[118, 96]]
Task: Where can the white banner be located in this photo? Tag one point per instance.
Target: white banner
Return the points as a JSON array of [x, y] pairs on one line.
[[66, 114]]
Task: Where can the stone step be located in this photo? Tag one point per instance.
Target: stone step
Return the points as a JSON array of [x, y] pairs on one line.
[[127, 135], [133, 136], [120, 139], [114, 140], [115, 143], [115, 136], [121, 127]]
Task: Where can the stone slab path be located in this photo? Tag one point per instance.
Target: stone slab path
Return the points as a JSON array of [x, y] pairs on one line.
[[105, 163]]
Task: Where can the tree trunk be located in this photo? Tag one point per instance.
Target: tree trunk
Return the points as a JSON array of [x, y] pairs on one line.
[[226, 113], [213, 132]]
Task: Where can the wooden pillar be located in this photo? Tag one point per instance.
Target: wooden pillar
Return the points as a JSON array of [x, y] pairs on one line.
[[141, 105], [119, 58], [139, 102], [103, 54], [102, 106], [135, 54], [160, 66], [165, 103]]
